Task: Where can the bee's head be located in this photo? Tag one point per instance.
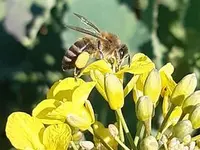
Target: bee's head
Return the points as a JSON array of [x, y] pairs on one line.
[[122, 54]]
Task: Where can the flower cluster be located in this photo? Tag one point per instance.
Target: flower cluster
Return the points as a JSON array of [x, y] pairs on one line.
[[59, 121]]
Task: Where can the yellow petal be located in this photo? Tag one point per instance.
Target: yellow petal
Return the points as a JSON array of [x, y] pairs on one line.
[[81, 93], [130, 85], [65, 88], [166, 78], [114, 91], [45, 112], [141, 81], [88, 106], [140, 64], [173, 118], [50, 92], [168, 69], [101, 65], [167, 82], [66, 108], [24, 131], [57, 137], [98, 77], [136, 94], [80, 119], [166, 103]]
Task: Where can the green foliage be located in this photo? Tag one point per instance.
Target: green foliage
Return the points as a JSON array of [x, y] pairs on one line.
[[110, 16]]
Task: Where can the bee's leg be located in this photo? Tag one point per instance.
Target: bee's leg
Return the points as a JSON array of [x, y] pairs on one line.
[[100, 50], [112, 61], [76, 73], [129, 60]]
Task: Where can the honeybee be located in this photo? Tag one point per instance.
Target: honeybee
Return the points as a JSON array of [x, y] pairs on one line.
[[99, 45]]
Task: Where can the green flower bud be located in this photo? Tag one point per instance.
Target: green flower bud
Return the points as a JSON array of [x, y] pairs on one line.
[[182, 129], [144, 108], [152, 86], [183, 89], [191, 101], [114, 91], [194, 117], [149, 143]]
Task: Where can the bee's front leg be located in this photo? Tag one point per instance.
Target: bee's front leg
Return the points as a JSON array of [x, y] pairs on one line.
[[100, 50]]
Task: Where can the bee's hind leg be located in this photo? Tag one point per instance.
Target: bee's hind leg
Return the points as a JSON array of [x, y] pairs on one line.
[[76, 73]]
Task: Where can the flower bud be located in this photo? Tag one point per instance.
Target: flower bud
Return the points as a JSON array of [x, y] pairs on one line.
[[182, 129], [149, 143], [113, 130], [114, 91], [191, 101], [152, 86], [183, 89], [194, 117], [77, 136], [87, 145], [144, 108]]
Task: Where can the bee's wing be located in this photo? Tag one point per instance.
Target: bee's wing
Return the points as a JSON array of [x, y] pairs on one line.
[[94, 34], [87, 22]]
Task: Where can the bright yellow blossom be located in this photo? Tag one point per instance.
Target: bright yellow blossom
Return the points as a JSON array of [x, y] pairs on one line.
[[27, 132]]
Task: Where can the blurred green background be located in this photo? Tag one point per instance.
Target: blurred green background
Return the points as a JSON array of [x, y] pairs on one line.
[[33, 41]]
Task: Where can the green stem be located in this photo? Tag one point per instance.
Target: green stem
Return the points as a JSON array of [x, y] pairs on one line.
[[140, 130], [160, 132], [121, 143], [120, 128], [127, 132], [73, 145], [147, 125]]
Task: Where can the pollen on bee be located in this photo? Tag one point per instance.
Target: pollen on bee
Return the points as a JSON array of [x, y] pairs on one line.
[[82, 60]]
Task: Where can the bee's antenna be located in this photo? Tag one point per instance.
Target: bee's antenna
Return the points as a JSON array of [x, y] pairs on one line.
[[87, 22]]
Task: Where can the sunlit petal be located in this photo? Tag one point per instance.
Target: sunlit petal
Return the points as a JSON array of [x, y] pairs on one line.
[[24, 131]]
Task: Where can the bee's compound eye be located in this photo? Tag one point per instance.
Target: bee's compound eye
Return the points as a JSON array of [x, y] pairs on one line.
[[82, 60]]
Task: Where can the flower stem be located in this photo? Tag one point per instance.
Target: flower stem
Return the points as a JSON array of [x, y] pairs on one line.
[[147, 125], [139, 132], [120, 128], [121, 143], [127, 132], [73, 145], [161, 129]]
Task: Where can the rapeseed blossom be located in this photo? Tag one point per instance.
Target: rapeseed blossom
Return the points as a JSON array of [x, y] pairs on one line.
[[60, 120]]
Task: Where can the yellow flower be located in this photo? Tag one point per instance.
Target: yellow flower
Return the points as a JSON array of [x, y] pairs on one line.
[[140, 64], [71, 89], [78, 117], [26, 132], [67, 97]]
